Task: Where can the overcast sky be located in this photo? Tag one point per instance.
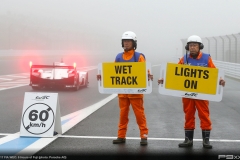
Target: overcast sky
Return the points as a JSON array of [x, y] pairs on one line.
[[158, 24]]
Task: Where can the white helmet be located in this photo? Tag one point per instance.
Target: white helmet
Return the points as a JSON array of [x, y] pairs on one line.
[[194, 38], [129, 35]]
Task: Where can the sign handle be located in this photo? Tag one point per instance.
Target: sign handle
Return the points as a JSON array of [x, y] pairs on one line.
[[99, 72], [162, 77]]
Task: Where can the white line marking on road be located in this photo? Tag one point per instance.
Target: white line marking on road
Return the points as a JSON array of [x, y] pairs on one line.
[[132, 138], [6, 79], [6, 134], [83, 113], [11, 84], [17, 76], [13, 87], [9, 138], [138, 138], [17, 82]]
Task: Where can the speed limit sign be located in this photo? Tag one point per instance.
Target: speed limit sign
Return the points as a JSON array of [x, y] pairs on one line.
[[41, 115]]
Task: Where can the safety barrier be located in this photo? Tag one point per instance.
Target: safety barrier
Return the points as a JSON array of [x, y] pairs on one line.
[[230, 69]]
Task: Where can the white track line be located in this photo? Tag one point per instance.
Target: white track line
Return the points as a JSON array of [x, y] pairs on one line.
[[9, 138], [138, 138], [17, 76], [6, 79], [13, 87], [12, 84], [17, 82], [6, 134], [130, 138]]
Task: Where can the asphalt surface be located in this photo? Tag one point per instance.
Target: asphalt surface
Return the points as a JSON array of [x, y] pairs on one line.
[[165, 121]]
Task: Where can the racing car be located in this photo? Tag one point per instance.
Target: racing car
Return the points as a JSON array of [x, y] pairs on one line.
[[58, 75]]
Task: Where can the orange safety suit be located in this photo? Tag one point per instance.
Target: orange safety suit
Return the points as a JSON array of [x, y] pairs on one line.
[[136, 100], [190, 105]]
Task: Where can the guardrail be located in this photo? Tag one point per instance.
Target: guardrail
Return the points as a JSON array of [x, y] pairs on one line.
[[230, 69]]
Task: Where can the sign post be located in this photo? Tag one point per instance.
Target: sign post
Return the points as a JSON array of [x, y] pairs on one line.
[[41, 115], [124, 78], [191, 82]]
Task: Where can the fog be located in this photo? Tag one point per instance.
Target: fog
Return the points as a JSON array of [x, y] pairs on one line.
[[96, 26]]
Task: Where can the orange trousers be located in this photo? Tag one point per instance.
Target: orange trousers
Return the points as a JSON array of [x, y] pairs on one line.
[[189, 108], [138, 109]]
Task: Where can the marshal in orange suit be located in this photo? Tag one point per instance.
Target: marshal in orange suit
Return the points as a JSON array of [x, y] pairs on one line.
[[196, 58], [129, 44]]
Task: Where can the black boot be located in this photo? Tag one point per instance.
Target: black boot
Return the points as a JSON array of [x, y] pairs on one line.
[[119, 140], [188, 142], [206, 136], [143, 142]]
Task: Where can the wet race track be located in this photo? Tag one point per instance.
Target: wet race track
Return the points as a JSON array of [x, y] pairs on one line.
[[90, 121]]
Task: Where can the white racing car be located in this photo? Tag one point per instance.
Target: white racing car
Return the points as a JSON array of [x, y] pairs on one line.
[[58, 75]]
